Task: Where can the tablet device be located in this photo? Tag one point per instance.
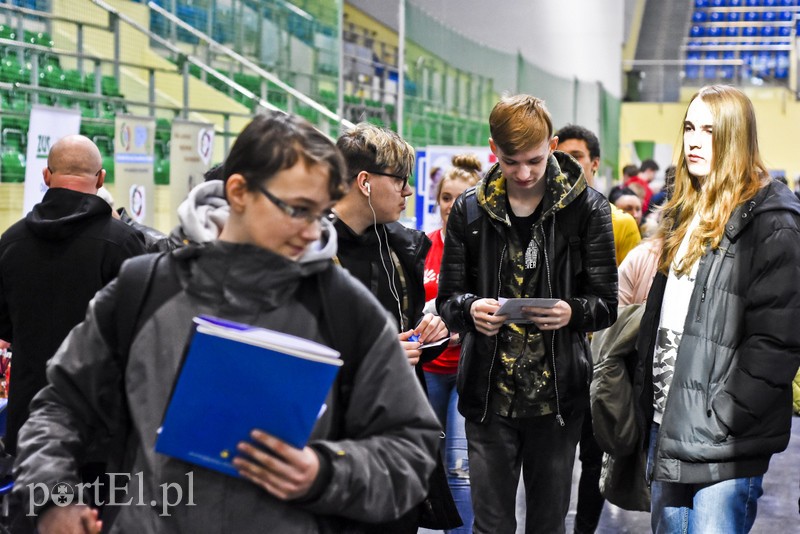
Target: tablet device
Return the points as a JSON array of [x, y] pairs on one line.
[[512, 307]]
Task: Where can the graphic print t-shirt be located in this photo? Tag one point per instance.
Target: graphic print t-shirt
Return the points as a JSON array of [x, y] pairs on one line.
[[674, 308]]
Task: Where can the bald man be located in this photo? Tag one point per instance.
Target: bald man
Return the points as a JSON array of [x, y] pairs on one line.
[[51, 264]]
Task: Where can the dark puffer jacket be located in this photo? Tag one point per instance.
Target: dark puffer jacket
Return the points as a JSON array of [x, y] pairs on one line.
[[729, 406], [579, 247]]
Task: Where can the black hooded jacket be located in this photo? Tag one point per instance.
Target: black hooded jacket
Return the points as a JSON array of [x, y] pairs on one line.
[[52, 263]]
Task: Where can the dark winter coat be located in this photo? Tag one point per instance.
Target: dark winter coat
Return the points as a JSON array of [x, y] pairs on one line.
[[729, 405]]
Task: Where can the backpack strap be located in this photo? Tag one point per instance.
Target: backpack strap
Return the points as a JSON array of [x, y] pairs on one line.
[[138, 300], [471, 202], [315, 298]]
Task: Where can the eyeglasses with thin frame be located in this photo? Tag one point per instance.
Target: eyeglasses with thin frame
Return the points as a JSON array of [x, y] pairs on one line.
[[400, 179], [297, 212]]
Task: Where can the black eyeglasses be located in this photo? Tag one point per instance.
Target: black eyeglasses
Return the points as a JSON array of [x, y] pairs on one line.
[[400, 179], [296, 212]]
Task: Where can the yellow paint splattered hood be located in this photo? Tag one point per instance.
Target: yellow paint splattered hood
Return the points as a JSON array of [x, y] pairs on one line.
[[565, 181]]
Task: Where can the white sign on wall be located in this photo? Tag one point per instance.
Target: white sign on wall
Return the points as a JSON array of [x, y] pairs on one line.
[[133, 166], [191, 149], [47, 125]]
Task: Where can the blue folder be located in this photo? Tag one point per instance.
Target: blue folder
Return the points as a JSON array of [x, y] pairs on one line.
[[236, 378]]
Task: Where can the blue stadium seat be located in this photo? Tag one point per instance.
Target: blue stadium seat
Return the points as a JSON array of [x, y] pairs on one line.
[[716, 16], [786, 16], [785, 31], [699, 17], [697, 31], [731, 31], [782, 65], [769, 3], [768, 31], [700, 3], [752, 16], [735, 3], [788, 3], [714, 31], [734, 16], [752, 3], [769, 16], [718, 3], [760, 62], [749, 31], [691, 72], [710, 71], [727, 71]]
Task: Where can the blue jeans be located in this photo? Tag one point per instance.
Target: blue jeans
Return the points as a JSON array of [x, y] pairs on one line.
[[444, 400], [726, 507]]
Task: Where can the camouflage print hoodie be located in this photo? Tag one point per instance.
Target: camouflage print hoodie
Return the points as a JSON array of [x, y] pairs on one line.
[[525, 385]]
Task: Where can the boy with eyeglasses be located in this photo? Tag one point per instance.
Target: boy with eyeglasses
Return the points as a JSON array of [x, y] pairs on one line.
[[387, 257]]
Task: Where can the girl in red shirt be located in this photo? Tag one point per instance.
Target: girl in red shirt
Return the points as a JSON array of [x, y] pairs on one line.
[[440, 374]]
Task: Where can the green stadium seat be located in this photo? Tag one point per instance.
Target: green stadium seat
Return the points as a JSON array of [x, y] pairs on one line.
[[12, 160], [52, 77], [73, 81], [17, 105], [163, 130], [12, 166], [161, 163], [7, 32], [105, 143]]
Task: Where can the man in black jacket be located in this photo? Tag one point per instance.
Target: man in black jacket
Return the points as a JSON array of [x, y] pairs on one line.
[[384, 255], [52, 263], [530, 228]]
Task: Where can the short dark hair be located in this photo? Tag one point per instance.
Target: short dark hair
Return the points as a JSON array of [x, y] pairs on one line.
[[217, 172], [573, 131], [275, 141], [619, 191], [649, 165], [630, 170]]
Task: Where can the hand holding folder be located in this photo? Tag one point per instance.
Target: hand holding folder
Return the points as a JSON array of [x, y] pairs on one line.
[[262, 379]]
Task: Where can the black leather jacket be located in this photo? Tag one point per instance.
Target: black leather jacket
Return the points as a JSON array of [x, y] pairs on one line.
[[580, 258]]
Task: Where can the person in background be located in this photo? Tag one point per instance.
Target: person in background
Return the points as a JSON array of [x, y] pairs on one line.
[[640, 183], [154, 240], [584, 146], [52, 262], [718, 344], [531, 228], [370, 453], [202, 215], [440, 374], [388, 258], [629, 171], [628, 201]]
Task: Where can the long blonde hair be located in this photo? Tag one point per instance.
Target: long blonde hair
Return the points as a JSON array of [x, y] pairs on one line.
[[737, 173]]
